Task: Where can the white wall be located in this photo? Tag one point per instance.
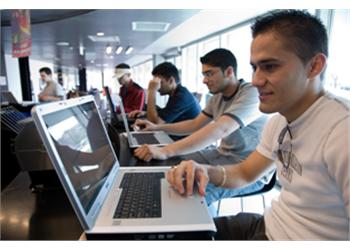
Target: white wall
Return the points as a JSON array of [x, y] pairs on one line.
[[13, 76]]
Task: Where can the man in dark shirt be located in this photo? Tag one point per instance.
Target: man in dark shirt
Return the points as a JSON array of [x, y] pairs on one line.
[[132, 94], [182, 105]]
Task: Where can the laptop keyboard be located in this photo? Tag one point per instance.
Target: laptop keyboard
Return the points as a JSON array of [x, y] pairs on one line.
[[140, 197], [145, 138]]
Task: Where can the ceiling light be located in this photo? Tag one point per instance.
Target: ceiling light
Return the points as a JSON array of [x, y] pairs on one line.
[[150, 26], [108, 49], [100, 34], [128, 50], [118, 50], [104, 39], [62, 43]]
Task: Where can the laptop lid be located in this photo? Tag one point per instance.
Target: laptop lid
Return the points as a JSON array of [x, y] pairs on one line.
[[76, 141], [161, 137], [114, 117], [125, 120]]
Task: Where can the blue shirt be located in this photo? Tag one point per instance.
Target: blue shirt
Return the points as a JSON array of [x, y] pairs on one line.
[[181, 106]]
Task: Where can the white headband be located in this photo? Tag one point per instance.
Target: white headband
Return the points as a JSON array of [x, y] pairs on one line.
[[120, 72]]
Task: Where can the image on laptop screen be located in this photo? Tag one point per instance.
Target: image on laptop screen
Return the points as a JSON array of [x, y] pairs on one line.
[[80, 141]]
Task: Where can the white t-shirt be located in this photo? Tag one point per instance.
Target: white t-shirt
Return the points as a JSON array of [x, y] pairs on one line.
[[315, 196], [53, 89]]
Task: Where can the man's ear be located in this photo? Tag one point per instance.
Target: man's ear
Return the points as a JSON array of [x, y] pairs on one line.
[[172, 80], [229, 72], [317, 65]]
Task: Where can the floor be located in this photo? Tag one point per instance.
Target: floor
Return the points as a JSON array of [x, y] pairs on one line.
[[251, 204]]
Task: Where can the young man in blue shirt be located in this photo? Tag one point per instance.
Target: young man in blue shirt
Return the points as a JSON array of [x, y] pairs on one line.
[[182, 105]]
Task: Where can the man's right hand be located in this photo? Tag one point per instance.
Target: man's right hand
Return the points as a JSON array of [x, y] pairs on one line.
[[145, 125], [136, 113], [193, 173], [149, 152], [154, 84]]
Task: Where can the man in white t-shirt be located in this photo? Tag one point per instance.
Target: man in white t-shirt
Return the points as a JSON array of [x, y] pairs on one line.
[[52, 91], [308, 140]]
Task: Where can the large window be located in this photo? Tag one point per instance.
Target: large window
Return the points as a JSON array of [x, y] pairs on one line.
[[238, 42], [337, 75], [94, 79], [190, 67], [142, 73]]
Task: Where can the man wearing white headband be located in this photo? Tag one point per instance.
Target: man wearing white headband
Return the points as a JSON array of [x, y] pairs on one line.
[[132, 94]]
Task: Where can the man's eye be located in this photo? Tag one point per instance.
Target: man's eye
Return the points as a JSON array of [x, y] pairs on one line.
[[270, 67]]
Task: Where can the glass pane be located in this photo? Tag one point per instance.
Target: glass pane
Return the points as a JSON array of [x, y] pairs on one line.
[[238, 42], [337, 75], [189, 69]]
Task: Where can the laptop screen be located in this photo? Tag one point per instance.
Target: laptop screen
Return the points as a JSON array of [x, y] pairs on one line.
[[111, 104], [80, 140]]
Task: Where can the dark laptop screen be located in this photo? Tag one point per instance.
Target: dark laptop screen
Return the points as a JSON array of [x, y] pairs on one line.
[[111, 105], [83, 147]]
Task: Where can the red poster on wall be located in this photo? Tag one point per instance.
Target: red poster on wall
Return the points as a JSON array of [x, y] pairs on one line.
[[21, 33]]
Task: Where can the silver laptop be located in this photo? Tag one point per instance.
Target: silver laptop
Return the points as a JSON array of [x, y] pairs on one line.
[[138, 138], [101, 191]]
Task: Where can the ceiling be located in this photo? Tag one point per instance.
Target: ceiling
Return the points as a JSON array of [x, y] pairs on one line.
[[74, 26]]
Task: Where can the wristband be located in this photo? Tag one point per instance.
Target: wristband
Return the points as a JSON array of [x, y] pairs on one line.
[[224, 177]]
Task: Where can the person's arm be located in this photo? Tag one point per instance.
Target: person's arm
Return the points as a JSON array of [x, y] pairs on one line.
[[152, 114], [178, 128], [46, 98], [202, 138], [195, 142], [233, 176]]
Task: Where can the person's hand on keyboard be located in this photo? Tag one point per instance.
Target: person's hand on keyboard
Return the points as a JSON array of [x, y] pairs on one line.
[[149, 152], [136, 114], [145, 125], [192, 172]]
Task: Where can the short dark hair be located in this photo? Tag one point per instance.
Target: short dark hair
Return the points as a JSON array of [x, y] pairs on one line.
[[46, 70], [304, 34], [167, 70], [122, 66], [222, 58]]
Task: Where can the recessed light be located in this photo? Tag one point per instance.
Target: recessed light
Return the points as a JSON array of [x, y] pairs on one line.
[[62, 43], [100, 34], [150, 26], [119, 50], [128, 50], [109, 49]]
